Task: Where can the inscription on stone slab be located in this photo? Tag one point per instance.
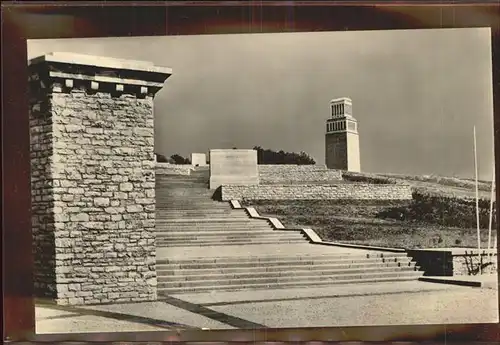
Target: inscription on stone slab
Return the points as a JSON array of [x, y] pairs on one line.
[[198, 159], [233, 167]]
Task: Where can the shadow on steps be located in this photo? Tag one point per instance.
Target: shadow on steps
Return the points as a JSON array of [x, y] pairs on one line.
[[217, 196]]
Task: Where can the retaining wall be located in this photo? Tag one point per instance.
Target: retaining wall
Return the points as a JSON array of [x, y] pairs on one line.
[[454, 262], [316, 192], [290, 173], [173, 169]]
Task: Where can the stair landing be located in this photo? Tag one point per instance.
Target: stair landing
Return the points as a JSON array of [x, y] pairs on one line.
[[292, 250]]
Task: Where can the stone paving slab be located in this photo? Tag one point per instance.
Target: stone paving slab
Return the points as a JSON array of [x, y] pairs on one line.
[[57, 321], [435, 307], [162, 311], [128, 317], [42, 313], [237, 297], [393, 304]]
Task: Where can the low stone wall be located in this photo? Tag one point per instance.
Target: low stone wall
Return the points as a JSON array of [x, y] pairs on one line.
[[454, 261], [316, 192], [173, 169], [467, 262], [289, 173]]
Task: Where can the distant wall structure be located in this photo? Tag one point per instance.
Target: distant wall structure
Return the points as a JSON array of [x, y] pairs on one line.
[[199, 159], [342, 191], [292, 173], [93, 177], [233, 167], [173, 169]]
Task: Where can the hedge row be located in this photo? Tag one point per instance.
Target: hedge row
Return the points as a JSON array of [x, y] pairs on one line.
[[369, 178]]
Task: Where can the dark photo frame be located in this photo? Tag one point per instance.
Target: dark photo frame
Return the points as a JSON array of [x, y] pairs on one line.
[[23, 21]]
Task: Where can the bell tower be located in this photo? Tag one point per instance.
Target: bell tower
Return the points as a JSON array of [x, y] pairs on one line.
[[342, 138]]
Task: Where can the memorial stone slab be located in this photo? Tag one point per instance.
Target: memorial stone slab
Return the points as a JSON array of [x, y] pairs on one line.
[[233, 167], [198, 159]]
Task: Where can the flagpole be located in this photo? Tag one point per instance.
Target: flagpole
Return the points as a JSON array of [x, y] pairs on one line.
[[477, 196], [492, 196]]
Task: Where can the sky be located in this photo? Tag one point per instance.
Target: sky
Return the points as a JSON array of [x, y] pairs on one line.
[[417, 94]]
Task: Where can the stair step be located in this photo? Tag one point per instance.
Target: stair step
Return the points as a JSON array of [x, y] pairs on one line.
[[220, 243], [228, 239], [312, 279], [224, 239], [171, 291], [228, 234], [195, 186], [194, 183], [172, 218], [165, 270], [168, 232], [162, 264], [181, 242], [174, 221], [202, 233], [308, 258], [191, 205], [195, 206], [278, 274], [214, 221], [183, 199], [201, 211], [215, 226], [201, 220], [199, 208]]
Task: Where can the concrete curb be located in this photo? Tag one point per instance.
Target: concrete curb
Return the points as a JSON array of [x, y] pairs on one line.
[[462, 282], [310, 234]]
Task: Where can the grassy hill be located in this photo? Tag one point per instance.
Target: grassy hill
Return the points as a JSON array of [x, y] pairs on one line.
[[441, 214]]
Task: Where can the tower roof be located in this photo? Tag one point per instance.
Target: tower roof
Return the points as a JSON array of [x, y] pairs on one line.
[[341, 99]]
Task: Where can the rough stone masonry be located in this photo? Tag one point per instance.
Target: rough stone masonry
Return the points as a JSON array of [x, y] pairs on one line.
[[93, 177]]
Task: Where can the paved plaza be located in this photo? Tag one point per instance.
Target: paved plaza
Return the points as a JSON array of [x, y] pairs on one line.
[[411, 302]]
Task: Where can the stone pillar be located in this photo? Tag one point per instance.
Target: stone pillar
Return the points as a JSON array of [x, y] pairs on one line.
[[93, 177]]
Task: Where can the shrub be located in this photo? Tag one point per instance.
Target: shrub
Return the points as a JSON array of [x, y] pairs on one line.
[[161, 158], [369, 178], [178, 159], [267, 156], [447, 210]]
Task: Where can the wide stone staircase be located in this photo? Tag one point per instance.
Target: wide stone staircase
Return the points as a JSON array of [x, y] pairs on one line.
[[204, 245], [236, 273], [186, 215]]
